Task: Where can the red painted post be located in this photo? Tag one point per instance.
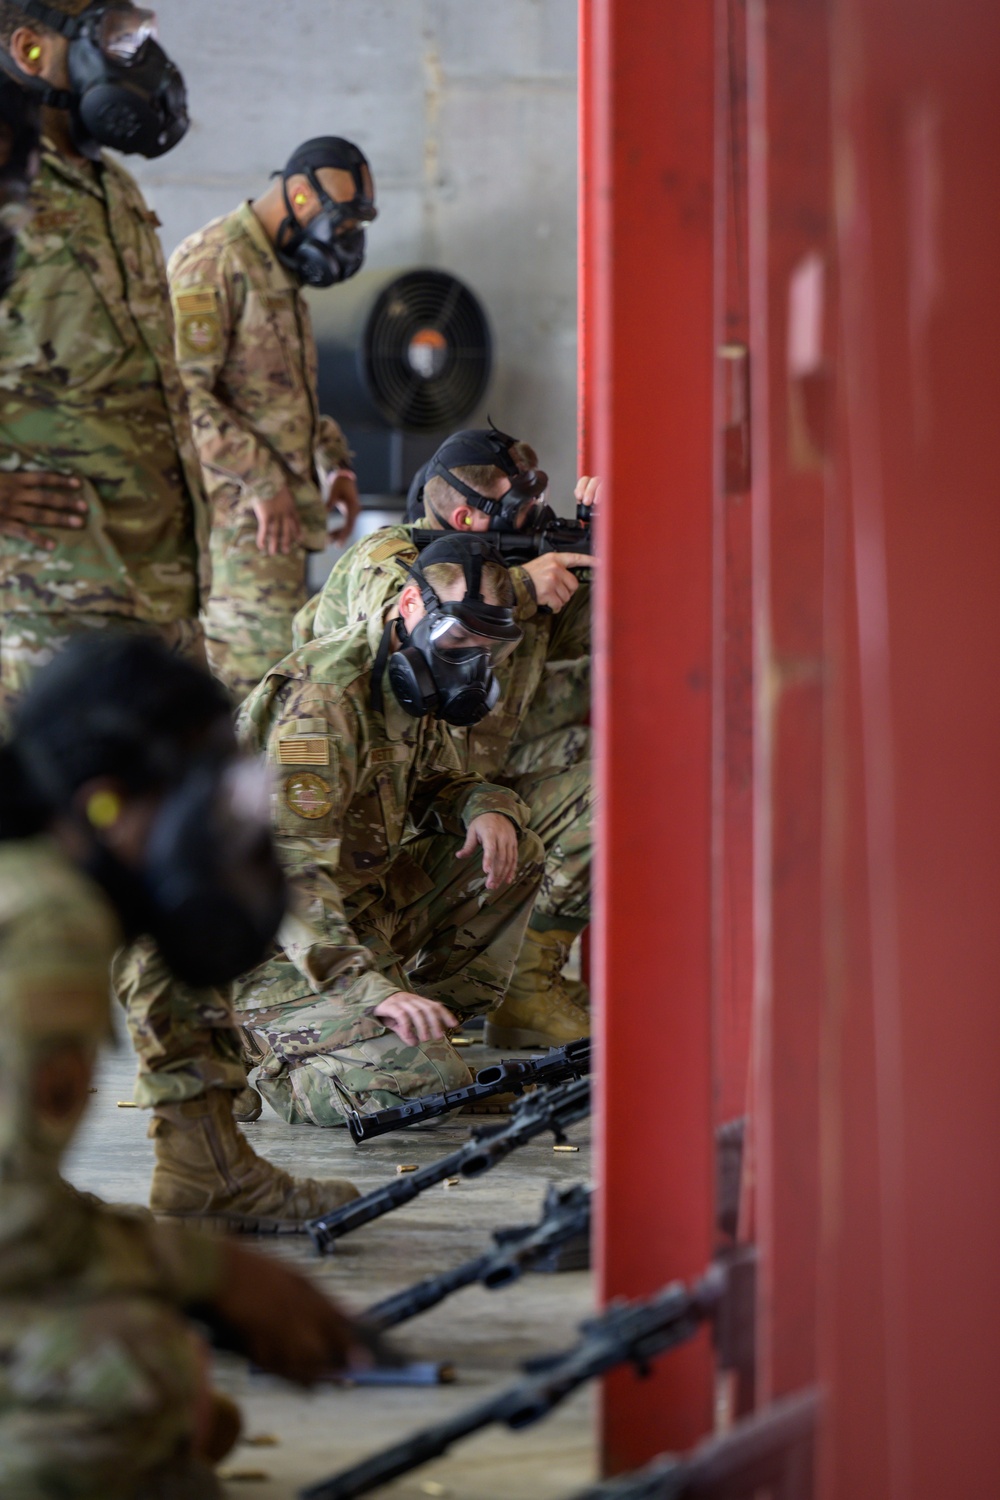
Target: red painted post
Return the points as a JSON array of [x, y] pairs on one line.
[[651, 186], [793, 320], [586, 301], [734, 630], [911, 1305]]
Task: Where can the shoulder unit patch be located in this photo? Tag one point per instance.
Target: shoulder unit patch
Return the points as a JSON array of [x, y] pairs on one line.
[[308, 795]]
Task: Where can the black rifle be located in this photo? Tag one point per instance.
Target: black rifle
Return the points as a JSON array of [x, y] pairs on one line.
[[557, 534], [628, 1333], [548, 1109], [508, 1077], [566, 1218], [772, 1451]]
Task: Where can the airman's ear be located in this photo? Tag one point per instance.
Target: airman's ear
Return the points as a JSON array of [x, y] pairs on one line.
[[410, 602], [31, 50], [302, 197]]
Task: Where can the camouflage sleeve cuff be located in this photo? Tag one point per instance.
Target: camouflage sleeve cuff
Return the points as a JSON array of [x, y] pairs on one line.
[[192, 1263], [261, 484], [495, 799], [333, 451], [525, 598], [126, 1249]]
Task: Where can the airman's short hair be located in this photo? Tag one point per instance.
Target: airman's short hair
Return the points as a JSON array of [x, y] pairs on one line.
[[445, 500], [496, 586]]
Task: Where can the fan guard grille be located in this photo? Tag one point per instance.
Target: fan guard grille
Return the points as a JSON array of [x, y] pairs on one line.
[[426, 352]]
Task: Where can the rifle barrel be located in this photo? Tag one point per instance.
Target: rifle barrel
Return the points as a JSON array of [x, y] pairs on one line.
[[551, 1110], [512, 1075], [634, 1332], [411, 1453], [424, 1295], [568, 1218]]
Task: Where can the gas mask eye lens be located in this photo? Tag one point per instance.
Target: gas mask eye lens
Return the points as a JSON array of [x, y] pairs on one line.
[[454, 640], [124, 31]]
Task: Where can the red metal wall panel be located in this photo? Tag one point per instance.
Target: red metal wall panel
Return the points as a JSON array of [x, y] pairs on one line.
[[912, 1308]]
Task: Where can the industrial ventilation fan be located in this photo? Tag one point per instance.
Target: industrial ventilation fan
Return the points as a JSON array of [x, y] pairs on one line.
[[404, 357]]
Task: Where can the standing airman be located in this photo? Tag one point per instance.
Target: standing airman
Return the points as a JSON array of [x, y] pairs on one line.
[[273, 466]]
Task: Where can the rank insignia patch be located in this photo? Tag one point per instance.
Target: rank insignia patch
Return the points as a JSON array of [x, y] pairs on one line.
[[308, 795]]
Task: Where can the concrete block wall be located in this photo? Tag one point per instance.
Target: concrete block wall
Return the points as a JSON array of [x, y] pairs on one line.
[[467, 110]]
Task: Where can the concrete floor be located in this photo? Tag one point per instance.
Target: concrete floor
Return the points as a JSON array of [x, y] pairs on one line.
[[484, 1334]]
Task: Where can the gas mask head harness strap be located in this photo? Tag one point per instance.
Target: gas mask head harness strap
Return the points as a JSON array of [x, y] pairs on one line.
[[483, 447], [20, 117], [207, 886], [445, 665], [124, 91], [324, 252]]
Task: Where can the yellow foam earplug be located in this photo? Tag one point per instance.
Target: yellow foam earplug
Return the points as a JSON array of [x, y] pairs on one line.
[[103, 809], [34, 53], [300, 199]]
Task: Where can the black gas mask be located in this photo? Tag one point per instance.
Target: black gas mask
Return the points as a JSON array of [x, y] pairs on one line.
[[20, 124], [209, 889], [522, 508], [124, 91], [324, 251], [445, 665]]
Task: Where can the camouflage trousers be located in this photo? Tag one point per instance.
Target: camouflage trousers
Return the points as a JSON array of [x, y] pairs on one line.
[[553, 774], [254, 599], [562, 815], [433, 928], [28, 642], [553, 750], [185, 1039], [561, 704]]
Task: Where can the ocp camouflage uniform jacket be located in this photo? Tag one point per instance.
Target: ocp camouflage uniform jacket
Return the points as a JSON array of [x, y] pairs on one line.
[[57, 937], [248, 357], [370, 575], [352, 782], [89, 386]]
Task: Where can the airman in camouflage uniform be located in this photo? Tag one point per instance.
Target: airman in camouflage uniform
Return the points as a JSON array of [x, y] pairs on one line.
[[248, 358], [100, 1374], [371, 810], [89, 387], [536, 742]]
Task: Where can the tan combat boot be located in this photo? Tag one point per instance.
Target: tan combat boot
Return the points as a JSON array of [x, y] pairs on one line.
[[207, 1172], [541, 1008], [247, 1106]]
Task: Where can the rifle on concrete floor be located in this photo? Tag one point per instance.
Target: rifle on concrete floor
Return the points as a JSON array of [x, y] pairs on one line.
[[628, 1333], [512, 1076], [772, 1451], [548, 1109], [559, 1241]]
